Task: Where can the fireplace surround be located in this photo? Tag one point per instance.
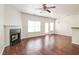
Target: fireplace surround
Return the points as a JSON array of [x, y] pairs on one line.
[[12, 34], [15, 36]]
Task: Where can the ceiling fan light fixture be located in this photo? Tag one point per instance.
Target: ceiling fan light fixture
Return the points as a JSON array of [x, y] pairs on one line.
[[46, 8]]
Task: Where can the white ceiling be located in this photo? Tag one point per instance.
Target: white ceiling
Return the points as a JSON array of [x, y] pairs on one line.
[[60, 10]]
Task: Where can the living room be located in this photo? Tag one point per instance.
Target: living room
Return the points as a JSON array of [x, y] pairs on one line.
[[28, 29]]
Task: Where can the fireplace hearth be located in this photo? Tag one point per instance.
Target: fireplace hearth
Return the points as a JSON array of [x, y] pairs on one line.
[[15, 37]]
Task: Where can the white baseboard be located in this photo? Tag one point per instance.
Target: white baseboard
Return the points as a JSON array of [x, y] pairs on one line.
[[37, 35], [2, 51], [75, 43], [64, 34]]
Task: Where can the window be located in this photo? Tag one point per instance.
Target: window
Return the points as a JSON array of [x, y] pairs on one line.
[[51, 26], [46, 27], [34, 26]]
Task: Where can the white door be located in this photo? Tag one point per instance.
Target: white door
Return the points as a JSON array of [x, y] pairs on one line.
[[46, 28]]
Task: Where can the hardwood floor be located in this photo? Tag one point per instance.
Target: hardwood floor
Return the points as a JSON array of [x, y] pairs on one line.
[[44, 45]]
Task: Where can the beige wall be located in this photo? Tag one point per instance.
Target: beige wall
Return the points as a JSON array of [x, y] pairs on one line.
[[64, 27], [26, 17], [1, 28], [12, 16]]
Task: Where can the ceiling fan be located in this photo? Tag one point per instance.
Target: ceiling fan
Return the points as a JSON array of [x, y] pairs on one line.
[[46, 8]]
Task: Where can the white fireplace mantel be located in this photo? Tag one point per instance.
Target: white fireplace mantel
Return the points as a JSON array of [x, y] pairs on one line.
[[11, 26]]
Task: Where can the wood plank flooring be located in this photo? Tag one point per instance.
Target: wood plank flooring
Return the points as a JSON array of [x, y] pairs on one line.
[[44, 45]]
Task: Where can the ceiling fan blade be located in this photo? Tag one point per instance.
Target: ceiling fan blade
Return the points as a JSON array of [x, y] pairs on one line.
[[48, 11], [51, 7], [39, 8], [44, 4]]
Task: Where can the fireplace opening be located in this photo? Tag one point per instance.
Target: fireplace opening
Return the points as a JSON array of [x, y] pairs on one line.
[[15, 36]]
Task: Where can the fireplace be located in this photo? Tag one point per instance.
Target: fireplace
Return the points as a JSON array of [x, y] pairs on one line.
[[15, 37]]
